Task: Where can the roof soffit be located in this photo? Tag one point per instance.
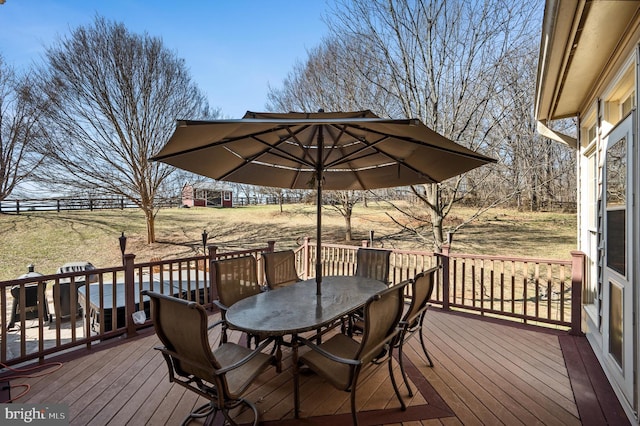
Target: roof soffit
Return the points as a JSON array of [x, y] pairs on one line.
[[579, 40]]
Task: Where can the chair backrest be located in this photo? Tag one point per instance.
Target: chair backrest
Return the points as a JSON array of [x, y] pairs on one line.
[[421, 291], [181, 326], [382, 314], [236, 278], [280, 268], [77, 267], [373, 263]]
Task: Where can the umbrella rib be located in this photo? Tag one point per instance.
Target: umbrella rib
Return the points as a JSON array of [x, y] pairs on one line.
[[470, 154], [280, 153], [347, 158], [275, 151], [254, 136], [345, 155]]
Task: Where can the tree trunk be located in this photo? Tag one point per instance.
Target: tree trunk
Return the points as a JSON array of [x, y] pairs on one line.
[[434, 206], [347, 225], [438, 234], [151, 227]]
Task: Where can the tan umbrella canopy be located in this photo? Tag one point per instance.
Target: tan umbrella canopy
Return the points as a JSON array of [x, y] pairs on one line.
[[322, 151]]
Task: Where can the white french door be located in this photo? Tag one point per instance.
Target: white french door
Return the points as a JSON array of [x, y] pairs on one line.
[[617, 304]]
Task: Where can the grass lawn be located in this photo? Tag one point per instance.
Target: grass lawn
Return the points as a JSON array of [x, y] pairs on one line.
[[50, 239]]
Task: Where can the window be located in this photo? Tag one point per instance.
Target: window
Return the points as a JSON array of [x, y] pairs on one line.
[[591, 133], [628, 104], [619, 99], [590, 203], [616, 202], [616, 315]]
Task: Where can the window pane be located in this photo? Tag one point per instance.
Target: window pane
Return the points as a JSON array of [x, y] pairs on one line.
[[617, 174], [615, 323], [617, 241], [616, 202]]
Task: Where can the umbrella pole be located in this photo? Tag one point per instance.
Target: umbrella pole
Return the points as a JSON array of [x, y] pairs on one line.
[[319, 243], [319, 170]]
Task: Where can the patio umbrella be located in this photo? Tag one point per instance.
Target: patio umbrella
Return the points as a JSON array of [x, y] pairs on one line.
[[322, 151]]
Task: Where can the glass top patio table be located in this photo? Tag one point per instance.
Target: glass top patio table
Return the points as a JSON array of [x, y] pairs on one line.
[[297, 308]]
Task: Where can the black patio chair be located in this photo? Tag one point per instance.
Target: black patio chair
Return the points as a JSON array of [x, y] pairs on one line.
[[221, 375], [280, 268], [340, 359], [236, 278], [421, 290]]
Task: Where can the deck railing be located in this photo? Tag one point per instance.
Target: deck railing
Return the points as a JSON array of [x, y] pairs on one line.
[[537, 291], [35, 324], [531, 290]]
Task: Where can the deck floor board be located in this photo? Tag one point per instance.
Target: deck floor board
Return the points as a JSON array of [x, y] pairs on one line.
[[485, 373]]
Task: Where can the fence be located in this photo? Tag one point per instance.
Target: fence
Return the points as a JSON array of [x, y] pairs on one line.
[[61, 204], [101, 303]]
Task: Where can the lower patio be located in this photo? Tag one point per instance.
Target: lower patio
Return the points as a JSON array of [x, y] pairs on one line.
[[486, 372]]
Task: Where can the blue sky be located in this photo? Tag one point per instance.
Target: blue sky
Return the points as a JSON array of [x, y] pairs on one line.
[[234, 49]]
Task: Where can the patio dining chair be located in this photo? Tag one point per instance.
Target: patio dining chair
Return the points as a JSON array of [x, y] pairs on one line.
[[341, 359], [280, 268], [370, 263], [421, 290], [373, 263], [222, 375], [235, 279]]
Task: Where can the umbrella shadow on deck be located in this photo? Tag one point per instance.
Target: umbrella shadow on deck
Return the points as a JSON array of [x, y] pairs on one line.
[[274, 399]]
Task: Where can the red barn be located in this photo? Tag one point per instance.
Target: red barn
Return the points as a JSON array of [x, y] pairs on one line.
[[205, 194]]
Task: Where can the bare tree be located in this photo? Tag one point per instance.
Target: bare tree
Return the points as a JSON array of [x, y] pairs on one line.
[[116, 97], [20, 129], [440, 62], [325, 81], [344, 202], [535, 171]]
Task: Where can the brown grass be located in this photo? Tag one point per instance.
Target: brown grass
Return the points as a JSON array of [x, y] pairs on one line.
[[50, 239]]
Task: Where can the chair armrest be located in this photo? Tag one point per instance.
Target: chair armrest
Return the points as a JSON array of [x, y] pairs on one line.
[[389, 341], [258, 350], [329, 355], [220, 305], [411, 322], [215, 324]]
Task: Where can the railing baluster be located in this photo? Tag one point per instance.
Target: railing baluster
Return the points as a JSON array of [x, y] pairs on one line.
[[463, 276]]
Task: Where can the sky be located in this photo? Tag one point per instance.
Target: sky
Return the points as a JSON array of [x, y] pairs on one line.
[[234, 49]]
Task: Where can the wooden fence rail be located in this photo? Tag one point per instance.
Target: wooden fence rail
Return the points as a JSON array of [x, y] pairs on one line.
[[18, 206], [101, 303]]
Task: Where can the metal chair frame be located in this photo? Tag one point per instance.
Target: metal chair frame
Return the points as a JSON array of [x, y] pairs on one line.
[[382, 314], [182, 328]]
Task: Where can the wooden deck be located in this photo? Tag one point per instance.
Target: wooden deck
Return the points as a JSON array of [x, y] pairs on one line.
[[486, 372]]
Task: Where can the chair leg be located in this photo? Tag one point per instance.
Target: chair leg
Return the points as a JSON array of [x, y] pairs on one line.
[[223, 337], [403, 406], [296, 378], [401, 362], [354, 413], [200, 412], [249, 404], [354, 384], [424, 348]]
